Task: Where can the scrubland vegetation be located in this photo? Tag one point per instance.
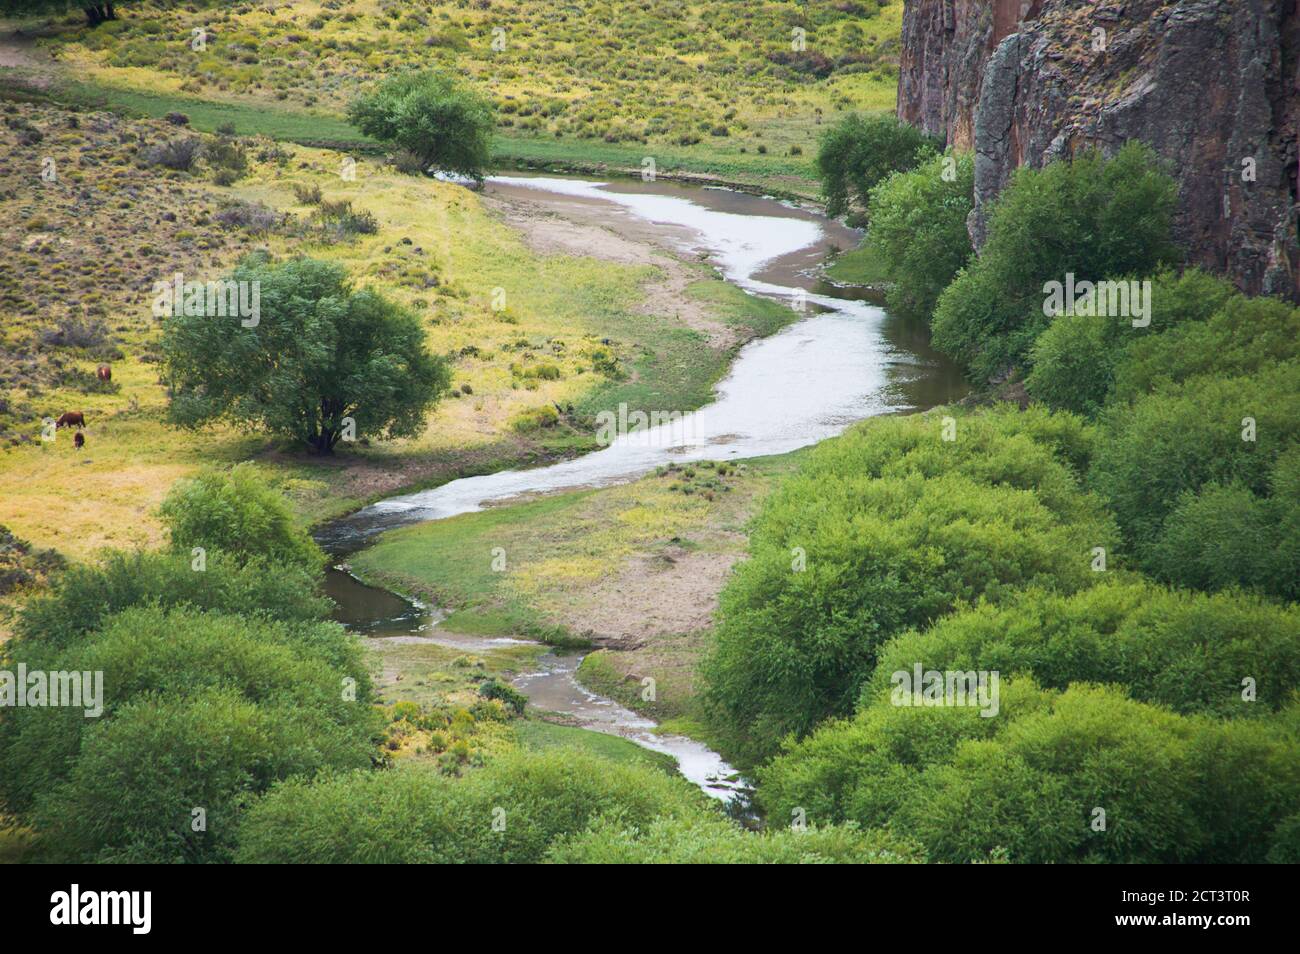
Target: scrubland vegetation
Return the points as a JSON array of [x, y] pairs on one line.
[[1110, 524], [732, 87]]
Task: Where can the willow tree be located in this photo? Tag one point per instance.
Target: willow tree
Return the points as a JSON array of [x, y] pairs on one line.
[[319, 361]]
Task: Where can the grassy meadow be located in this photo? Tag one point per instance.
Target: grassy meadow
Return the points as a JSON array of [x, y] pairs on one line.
[[438, 249], [733, 90]]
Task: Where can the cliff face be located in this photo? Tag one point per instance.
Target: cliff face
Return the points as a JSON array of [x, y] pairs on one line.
[[1212, 85]]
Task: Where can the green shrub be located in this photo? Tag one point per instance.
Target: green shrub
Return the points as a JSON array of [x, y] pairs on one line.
[[718, 841], [1092, 217], [1189, 652], [147, 651], [133, 792], [1189, 437], [238, 512], [918, 228], [493, 689], [84, 595], [893, 527], [1199, 324], [1240, 336], [1228, 536], [859, 152], [412, 814], [1030, 780]]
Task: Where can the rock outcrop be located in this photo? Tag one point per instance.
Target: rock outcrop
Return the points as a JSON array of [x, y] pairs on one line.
[[1212, 85]]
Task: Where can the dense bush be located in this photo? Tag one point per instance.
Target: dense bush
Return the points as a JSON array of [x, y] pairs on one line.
[[1169, 447], [1188, 652], [338, 221], [179, 154], [1030, 780], [884, 529], [1092, 217], [1229, 536], [918, 228], [1240, 336], [412, 814], [133, 791], [237, 512], [85, 595], [859, 152], [428, 115], [150, 653], [1199, 324], [718, 841]]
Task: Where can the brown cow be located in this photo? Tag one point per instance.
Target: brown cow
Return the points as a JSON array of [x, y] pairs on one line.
[[78, 440], [105, 372], [75, 419]]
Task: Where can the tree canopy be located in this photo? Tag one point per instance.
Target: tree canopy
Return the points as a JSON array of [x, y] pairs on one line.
[[322, 363], [445, 126], [859, 152]]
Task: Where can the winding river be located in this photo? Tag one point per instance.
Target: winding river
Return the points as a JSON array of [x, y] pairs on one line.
[[845, 360]]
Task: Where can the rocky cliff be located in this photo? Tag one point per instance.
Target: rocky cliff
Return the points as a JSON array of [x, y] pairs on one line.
[[1212, 85]]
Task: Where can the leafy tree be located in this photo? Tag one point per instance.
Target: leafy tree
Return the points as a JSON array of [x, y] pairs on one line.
[[1092, 217], [236, 511], [131, 794], [918, 227], [1028, 781], [85, 595], [1240, 336], [859, 152], [428, 115], [1227, 536], [321, 354], [147, 652], [716, 840]]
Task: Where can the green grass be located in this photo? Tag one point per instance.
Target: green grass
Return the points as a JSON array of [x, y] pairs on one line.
[[450, 562], [678, 79], [792, 176], [433, 675], [859, 266], [537, 735], [249, 119], [674, 370]]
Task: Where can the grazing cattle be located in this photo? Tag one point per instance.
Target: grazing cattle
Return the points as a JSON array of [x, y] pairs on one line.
[[75, 419], [105, 372], [78, 440]]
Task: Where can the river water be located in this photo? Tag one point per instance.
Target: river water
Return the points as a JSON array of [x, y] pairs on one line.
[[844, 360]]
